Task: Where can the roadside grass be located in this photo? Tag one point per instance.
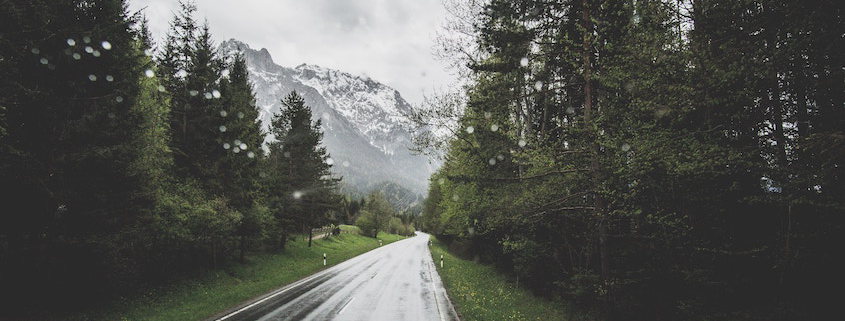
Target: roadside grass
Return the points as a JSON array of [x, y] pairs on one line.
[[480, 293], [215, 291]]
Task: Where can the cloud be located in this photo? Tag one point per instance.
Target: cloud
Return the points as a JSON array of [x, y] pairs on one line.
[[387, 40]]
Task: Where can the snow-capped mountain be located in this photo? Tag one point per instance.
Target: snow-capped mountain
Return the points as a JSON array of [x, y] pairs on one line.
[[362, 119]]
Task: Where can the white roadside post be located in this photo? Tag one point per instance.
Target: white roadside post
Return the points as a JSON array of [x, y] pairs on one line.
[[324, 259], [441, 261], [379, 242]]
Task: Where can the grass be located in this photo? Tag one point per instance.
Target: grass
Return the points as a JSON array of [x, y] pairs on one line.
[[214, 292], [480, 293]]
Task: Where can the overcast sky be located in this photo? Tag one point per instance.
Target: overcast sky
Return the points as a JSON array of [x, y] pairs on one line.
[[387, 40]]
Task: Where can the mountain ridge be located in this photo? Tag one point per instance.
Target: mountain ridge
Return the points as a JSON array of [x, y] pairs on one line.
[[363, 120]]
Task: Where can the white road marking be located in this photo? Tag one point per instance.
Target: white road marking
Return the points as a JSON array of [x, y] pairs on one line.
[[345, 306], [272, 296]]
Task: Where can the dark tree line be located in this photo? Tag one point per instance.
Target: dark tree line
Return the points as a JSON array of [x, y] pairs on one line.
[[125, 164], [653, 159]]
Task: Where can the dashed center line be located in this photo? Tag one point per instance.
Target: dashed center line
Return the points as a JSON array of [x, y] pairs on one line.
[[345, 306]]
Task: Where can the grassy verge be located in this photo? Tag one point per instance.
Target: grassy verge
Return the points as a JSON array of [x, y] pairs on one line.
[[480, 293], [216, 291]]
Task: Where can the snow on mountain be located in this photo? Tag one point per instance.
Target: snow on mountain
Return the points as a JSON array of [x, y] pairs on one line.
[[362, 118]]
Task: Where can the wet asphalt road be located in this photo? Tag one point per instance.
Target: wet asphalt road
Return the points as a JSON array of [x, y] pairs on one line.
[[397, 281]]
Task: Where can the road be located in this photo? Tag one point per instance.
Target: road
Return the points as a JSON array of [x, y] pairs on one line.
[[397, 281]]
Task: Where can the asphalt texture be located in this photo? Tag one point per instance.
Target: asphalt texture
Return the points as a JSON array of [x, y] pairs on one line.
[[397, 281]]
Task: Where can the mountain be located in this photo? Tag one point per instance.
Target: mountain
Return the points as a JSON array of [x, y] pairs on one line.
[[362, 119]]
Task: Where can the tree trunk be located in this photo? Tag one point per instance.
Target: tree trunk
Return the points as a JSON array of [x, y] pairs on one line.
[[594, 145], [310, 234]]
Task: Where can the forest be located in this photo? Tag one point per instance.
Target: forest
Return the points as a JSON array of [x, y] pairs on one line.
[[647, 159], [126, 164]]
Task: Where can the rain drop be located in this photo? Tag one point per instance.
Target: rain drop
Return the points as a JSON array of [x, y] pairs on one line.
[[487, 115], [181, 73], [626, 147], [470, 129], [106, 45], [119, 99], [523, 62], [223, 113], [325, 116], [71, 42], [297, 194], [237, 142], [111, 115], [570, 110], [250, 155], [243, 146], [240, 115], [236, 150], [441, 181], [215, 93], [500, 157], [538, 85], [193, 92], [96, 53], [329, 161], [35, 51], [207, 95], [494, 128], [492, 161], [77, 56], [222, 128], [148, 52], [226, 145], [86, 39], [88, 49], [455, 197], [345, 163], [522, 143], [287, 154], [92, 77], [149, 73], [161, 88], [109, 78], [44, 61]]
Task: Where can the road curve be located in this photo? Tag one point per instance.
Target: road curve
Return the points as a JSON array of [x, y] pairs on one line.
[[397, 281]]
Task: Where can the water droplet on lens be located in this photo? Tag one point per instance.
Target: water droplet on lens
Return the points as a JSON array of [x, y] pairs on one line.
[[109, 78], [96, 53], [240, 115], [287, 154], [538, 85], [522, 143], [345, 163], [570, 110], [222, 128], [494, 128], [237, 142], [626, 147], [207, 95], [500, 157], [161, 88], [441, 181], [119, 99], [86, 39], [149, 73], [148, 52], [92, 77], [250, 155], [492, 161], [194, 93], [470, 129], [44, 61], [106, 45], [297, 195], [111, 115], [223, 113], [88, 49], [243, 146], [215, 93], [236, 150], [487, 115], [523, 62], [455, 197], [329, 161], [77, 56], [71, 42], [226, 145], [35, 51]]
